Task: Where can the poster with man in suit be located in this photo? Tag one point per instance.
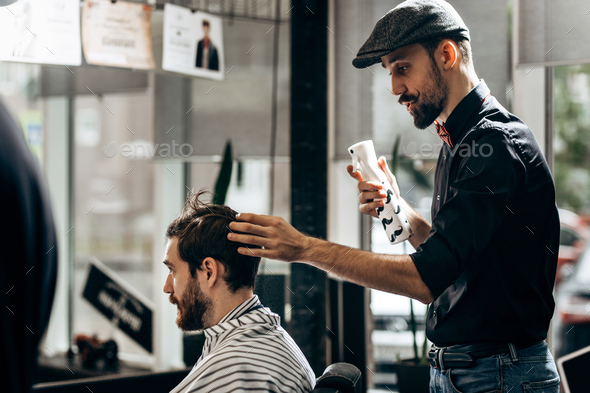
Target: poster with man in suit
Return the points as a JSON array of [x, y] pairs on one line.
[[207, 51], [193, 42]]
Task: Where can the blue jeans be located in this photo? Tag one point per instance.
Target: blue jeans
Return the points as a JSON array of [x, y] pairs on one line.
[[530, 370]]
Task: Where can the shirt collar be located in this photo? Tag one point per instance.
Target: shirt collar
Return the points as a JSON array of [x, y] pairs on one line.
[[465, 109], [230, 319]]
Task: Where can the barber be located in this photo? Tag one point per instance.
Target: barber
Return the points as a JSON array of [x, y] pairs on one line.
[[487, 262], [28, 258]]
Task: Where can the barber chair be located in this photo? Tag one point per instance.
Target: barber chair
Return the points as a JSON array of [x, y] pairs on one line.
[[339, 378]]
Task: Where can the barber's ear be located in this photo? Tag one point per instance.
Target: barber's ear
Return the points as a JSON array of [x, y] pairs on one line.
[[212, 271], [450, 54]]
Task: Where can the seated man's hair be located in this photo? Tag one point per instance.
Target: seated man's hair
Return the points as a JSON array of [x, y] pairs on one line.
[[202, 230]]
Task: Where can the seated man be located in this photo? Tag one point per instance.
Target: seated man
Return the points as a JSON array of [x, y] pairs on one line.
[[211, 284]]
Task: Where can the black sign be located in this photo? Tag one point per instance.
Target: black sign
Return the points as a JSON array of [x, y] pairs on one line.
[[573, 370], [119, 305]]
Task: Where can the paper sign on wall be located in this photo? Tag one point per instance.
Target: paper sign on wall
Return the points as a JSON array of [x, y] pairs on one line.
[[41, 31], [117, 34], [193, 43]]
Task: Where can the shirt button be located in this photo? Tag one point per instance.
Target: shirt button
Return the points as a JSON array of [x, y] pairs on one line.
[[438, 197], [434, 313], [445, 156]]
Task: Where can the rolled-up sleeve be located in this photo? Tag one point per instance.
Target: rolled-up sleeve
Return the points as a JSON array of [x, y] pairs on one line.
[[472, 211]]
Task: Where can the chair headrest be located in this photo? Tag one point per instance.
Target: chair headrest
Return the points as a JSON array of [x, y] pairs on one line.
[[342, 376]]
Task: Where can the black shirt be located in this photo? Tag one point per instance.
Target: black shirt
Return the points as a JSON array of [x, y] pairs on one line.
[[28, 258], [491, 255]]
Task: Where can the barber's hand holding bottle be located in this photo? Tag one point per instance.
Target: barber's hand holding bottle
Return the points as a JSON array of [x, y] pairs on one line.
[[372, 195]]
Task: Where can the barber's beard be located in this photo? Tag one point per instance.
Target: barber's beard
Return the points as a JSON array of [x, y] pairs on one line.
[[194, 309], [431, 101]]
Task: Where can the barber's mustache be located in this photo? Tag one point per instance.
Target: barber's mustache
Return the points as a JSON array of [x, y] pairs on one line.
[[406, 98]]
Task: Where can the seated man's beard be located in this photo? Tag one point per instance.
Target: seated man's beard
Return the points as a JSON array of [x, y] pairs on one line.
[[193, 309], [432, 100]]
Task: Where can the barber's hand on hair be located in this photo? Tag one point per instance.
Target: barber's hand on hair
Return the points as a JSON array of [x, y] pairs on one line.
[[372, 195], [280, 240]]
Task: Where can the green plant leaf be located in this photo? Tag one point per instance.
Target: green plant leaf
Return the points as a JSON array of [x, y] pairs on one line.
[[413, 327], [424, 358], [224, 177], [420, 178], [395, 155]]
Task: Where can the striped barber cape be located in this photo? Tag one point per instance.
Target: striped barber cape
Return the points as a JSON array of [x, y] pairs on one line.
[[249, 351]]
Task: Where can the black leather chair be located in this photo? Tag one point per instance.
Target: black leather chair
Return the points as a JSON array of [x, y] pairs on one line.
[[337, 378]]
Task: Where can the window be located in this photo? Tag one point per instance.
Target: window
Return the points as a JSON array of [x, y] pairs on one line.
[[572, 137], [114, 202]]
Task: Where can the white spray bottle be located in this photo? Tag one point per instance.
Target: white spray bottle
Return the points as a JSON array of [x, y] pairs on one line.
[[391, 214]]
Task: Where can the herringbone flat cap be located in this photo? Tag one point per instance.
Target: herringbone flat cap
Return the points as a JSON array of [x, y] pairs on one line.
[[411, 22]]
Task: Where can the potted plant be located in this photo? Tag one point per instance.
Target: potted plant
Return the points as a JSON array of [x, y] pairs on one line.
[[413, 375]]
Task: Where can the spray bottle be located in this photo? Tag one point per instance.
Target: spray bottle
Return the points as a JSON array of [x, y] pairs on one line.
[[392, 217]]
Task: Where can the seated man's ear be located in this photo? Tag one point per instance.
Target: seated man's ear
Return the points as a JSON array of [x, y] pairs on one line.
[[212, 270]]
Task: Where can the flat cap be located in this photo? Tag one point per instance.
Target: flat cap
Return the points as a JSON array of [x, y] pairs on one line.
[[411, 22]]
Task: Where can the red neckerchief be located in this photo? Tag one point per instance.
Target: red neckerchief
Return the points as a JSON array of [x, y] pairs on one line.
[[442, 131]]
